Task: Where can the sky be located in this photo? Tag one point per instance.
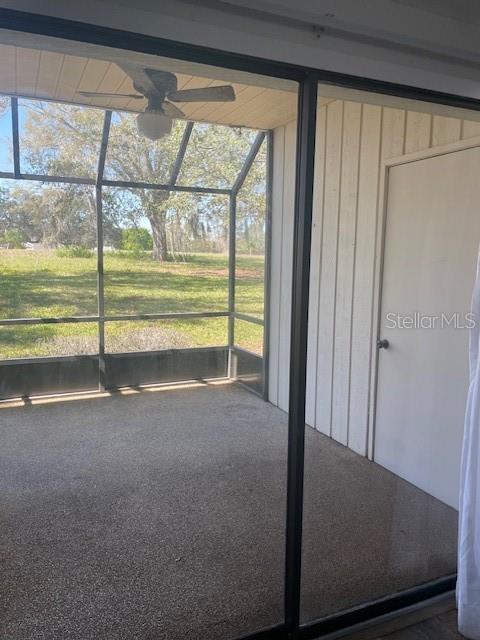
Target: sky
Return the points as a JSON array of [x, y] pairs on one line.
[[6, 151], [6, 162], [6, 141]]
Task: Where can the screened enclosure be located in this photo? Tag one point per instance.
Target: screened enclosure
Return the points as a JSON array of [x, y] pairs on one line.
[[263, 240], [128, 261]]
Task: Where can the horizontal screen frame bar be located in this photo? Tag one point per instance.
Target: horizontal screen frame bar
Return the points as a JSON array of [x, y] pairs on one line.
[[181, 315]]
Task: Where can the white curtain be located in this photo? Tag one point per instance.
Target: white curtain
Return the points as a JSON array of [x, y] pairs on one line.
[[468, 584]]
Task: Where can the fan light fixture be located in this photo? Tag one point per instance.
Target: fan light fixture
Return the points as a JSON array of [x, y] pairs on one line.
[[159, 88], [153, 125]]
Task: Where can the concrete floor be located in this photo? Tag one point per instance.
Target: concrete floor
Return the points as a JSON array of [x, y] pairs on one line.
[[161, 515]]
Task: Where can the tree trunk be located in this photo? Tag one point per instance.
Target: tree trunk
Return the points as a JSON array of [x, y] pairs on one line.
[[156, 216], [159, 235], [224, 239]]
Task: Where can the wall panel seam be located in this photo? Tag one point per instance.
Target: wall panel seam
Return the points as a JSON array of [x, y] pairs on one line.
[[352, 310], [334, 310], [319, 309]]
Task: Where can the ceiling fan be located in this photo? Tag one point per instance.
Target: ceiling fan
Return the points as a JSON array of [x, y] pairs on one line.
[[160, 90]]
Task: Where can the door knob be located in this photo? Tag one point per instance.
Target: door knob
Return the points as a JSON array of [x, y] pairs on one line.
[[383, 344]]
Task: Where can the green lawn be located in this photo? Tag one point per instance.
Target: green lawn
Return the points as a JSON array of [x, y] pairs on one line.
[[42, 284]]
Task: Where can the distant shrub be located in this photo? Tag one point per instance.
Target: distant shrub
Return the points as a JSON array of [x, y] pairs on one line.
[[136, 239], [74, 251], [13, 239]]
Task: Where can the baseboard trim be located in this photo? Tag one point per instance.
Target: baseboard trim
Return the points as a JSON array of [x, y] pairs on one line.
[[390, 622]]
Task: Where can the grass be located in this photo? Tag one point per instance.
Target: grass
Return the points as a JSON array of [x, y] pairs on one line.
[[46, 284]]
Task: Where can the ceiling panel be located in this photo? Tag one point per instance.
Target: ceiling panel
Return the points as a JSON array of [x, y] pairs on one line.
[[34, 73]]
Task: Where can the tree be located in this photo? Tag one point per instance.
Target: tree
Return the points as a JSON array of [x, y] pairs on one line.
[[59, 139], [13, 239], [49, 214], [4, 104]]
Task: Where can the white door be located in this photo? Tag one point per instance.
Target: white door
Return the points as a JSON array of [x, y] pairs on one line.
[[431, 245]]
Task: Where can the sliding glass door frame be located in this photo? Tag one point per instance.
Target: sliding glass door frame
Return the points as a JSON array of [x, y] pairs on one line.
[[370, 613]]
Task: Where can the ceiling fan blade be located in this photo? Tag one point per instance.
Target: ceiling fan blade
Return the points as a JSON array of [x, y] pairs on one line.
[[101, 94], [172, 111], [224, 93]]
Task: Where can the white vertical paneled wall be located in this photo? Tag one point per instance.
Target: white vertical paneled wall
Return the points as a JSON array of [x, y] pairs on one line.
[[284, 145], [352, 141]]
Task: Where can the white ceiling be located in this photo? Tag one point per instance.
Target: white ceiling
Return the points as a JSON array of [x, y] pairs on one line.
[[59, 70], [432, 44], [467, 11], [440, 26]]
